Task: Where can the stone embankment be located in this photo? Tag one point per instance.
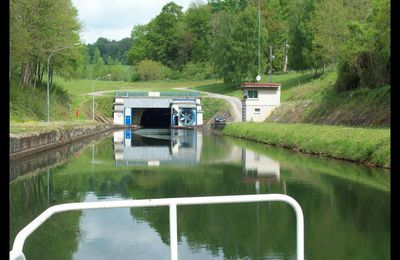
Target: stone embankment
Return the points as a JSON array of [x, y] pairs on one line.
[[26, 144]]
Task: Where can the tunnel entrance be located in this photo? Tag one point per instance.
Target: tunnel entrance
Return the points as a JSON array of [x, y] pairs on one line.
[[156, 118]]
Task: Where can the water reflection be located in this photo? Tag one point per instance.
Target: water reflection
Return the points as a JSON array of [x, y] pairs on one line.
[[155, 147], [346, 207]]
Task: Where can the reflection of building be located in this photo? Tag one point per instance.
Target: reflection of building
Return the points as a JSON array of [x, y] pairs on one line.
[[259, 99], [257, 167], [154, 147]]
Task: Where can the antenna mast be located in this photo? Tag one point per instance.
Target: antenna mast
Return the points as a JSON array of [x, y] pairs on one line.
[[259, 36]]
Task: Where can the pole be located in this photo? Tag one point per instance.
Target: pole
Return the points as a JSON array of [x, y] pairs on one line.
[[270, 63], [48, 77], [93, 100], [259, 36], [48, 89]]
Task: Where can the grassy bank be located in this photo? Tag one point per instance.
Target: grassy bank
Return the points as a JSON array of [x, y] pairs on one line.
[[40, 127], [369, 146]]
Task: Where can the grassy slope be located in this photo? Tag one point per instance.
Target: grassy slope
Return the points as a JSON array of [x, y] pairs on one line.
[[370, 146], [308, 100]]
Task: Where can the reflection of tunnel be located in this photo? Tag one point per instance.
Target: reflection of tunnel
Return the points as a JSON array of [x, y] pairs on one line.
[[156, 118]]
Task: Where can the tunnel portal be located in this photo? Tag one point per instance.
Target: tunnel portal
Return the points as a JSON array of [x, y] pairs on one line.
[[156, 118]]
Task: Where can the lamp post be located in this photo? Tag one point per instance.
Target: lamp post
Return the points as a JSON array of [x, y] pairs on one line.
[[108, 75], [48, 77]]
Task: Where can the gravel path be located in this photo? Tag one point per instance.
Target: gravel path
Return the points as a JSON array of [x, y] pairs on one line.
[[234, 102]]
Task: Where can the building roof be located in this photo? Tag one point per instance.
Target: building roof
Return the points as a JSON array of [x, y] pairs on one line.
[[260, 85]]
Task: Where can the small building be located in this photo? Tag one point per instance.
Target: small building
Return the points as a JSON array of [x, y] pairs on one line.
[[259, 99]]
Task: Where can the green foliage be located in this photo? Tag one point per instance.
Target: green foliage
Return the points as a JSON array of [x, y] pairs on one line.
[[198, 71], [36, 32], [198, 32], [300, 35], [30, 104], [371, 146], [329, 29], [364, 60], [116, 50], [235, 42], [211, 106], [152, 70]]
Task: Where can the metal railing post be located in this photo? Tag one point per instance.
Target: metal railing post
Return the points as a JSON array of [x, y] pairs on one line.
[[173, 232]]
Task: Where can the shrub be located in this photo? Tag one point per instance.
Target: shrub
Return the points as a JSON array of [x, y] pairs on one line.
[[198, 71], [152, 70]]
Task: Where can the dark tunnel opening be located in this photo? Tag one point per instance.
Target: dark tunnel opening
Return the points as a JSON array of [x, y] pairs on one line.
[[156, 118]]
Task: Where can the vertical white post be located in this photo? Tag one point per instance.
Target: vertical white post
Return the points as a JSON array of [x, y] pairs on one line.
[[93, 100], [173, 232]]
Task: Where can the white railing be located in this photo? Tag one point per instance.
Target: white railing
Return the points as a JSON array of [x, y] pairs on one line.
[[17, 254]]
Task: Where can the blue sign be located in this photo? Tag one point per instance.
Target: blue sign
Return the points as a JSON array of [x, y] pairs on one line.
[[127, 120]]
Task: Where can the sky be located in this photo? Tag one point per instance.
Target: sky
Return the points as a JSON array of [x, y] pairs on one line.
[[114, 19]]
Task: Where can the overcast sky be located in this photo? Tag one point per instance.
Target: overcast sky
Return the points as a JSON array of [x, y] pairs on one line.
[[114, 19]]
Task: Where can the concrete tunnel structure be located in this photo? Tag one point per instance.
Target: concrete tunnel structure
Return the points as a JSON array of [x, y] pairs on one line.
[[158, 109]]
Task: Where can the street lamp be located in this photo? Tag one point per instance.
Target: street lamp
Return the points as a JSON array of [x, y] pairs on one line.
[[108, 75], [48, 77]]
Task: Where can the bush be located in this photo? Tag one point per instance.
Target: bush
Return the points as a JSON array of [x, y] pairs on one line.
[[152, 70], [198, 71], [365, 69]]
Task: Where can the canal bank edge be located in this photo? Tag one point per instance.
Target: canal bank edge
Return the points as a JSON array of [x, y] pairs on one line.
[[337, 142], [22, 145]]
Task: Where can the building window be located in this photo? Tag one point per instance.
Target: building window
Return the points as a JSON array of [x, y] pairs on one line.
[[252, 93], [257, 111]]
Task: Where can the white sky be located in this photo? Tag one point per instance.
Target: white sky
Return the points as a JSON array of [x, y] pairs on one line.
[[114, 19]]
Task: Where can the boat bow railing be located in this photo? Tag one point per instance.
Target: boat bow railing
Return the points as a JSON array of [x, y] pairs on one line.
[[17, 254]]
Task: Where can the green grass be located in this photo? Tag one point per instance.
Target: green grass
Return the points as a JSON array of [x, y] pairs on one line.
[[211, 106], [369, 146], [40, 127], [30, 104], [288, 80]]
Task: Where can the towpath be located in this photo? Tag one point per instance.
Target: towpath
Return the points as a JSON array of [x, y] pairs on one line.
[[234, 102]]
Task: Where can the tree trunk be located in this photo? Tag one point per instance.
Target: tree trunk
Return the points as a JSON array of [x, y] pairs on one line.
[[35, 76], [26, 76], [285, 62]]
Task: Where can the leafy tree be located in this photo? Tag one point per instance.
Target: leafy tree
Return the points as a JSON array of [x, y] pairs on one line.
[[300, 34], [329, 29], [364, 59], [235, 46], [141, 45], [39, 27], [198, 28]]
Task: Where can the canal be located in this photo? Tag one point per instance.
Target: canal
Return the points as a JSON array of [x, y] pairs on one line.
[[346, 206]]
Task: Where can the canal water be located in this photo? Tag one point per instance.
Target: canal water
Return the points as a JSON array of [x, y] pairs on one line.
[[346, 206]]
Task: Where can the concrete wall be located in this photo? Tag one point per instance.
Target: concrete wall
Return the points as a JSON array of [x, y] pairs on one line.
[[25, 144]]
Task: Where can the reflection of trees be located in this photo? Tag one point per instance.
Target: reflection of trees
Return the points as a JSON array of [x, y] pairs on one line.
[[29, 197], [232, 228]]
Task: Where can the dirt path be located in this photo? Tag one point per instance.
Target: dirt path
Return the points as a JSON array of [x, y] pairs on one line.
[[234, 102]]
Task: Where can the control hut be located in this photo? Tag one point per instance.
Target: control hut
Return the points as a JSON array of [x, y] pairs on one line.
[[259, 99]]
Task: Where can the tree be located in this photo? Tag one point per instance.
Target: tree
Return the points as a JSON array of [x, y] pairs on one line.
[[329, 29], [38, 28], [198, 27], [300, 34], [234, 50]]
